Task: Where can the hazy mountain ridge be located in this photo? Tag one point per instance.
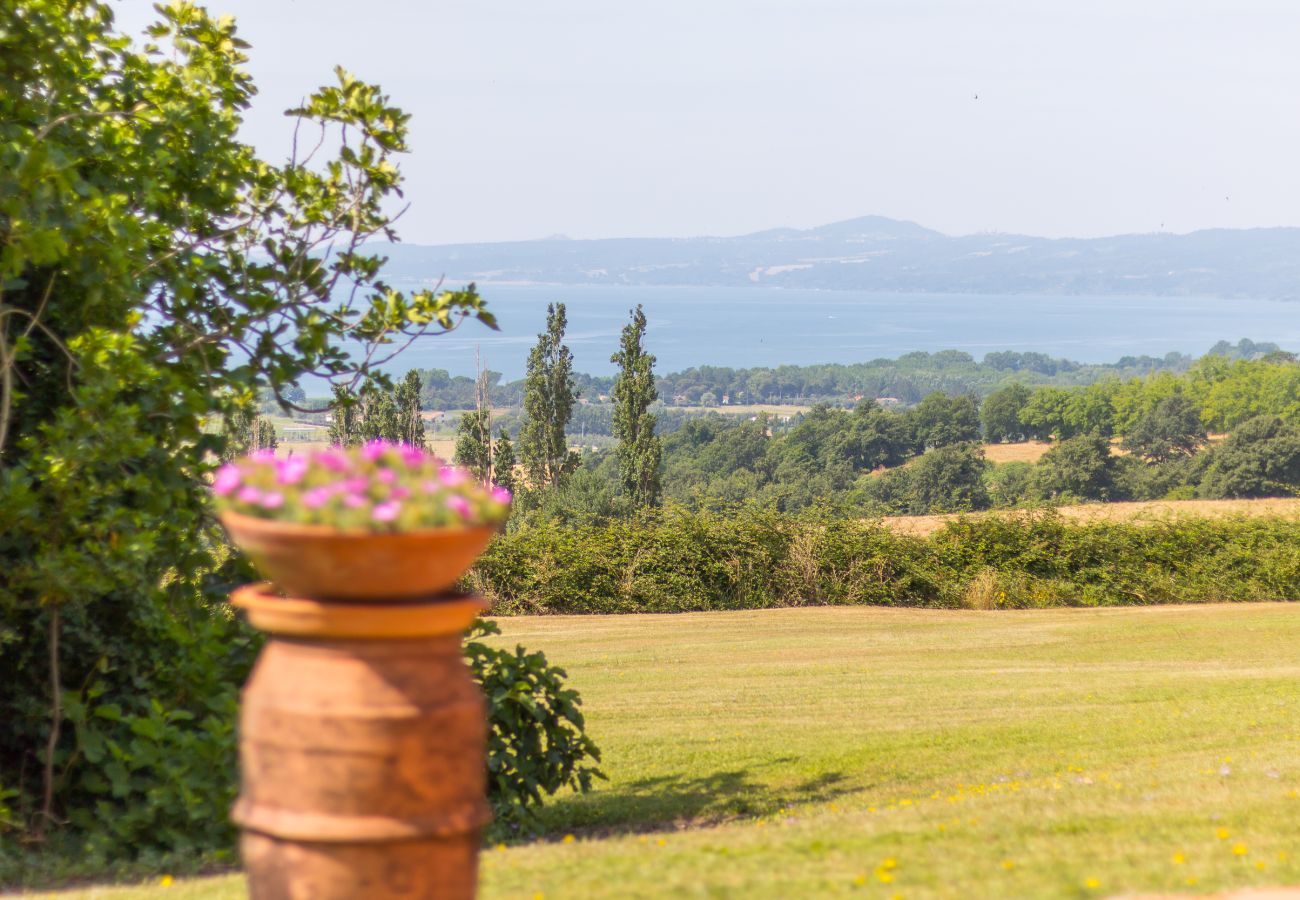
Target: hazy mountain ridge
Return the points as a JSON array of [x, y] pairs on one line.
[[878, 254]]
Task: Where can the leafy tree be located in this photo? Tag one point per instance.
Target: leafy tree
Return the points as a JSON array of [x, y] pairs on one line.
[[939, 420], [1046, 414], [345, 419], [410, 424], [474, 444], [1080, 467], [380, 420], [247, 430], [1260, 459], [152, 270], [948, 479], [503, 462], [1010, 484], [1000, 412], [639, 451], [1170, 428], [549, 395]]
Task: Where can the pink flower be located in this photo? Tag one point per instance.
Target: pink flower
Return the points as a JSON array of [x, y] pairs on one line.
[[400, 493], [452, 476], [273, 500], [228, 478], [387, 476], [352, 501], [249, 494], [374, 450], [291, 470], [356, 485], [386, 512], [331, 459], [316, 497], [413, 456], [431, 487], [459, 505], [500, 494], [262, 456]]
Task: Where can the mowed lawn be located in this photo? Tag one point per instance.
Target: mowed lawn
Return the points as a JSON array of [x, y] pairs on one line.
[[880, 753]]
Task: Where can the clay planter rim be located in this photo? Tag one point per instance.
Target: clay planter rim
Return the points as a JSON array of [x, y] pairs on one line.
[[280, 527], [303, 618], [358, 565]]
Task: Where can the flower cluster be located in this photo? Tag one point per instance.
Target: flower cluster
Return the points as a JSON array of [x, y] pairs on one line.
[[378, 487]]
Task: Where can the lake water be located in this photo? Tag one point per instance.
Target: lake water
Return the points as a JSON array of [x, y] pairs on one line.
[[745, 327]]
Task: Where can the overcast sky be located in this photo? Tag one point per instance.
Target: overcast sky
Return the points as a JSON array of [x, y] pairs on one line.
[[594, 118]]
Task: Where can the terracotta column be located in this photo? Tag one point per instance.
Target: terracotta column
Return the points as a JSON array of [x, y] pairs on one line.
[[362, 750]]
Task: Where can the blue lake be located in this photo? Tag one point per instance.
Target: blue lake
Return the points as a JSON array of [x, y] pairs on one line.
[[744, 327]]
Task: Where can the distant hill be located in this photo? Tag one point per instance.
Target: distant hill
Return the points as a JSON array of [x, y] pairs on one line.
[[878, 254]]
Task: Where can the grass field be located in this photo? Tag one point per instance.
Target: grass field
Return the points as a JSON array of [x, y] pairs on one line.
[[881, 753], [1146, 511]]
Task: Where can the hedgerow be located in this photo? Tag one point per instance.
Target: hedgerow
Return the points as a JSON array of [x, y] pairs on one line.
[[684, 561]]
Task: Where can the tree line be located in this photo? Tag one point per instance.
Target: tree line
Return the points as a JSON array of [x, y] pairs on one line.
[[908, 378]]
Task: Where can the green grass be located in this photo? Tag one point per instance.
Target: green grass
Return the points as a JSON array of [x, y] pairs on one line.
[[874, 752]]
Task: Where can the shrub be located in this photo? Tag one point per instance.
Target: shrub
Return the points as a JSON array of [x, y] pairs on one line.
[[536, 739]]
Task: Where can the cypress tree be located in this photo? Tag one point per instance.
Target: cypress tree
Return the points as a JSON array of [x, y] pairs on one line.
[[639, 451], [549, 395]]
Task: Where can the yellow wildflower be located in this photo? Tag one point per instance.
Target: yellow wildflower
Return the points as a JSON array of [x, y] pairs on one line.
[[1008, 865], [569, 839], [1239, 850], [1222, 834], [1092, 884], [166, 881]]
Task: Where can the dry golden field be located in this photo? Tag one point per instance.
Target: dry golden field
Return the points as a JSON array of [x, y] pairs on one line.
[[1026, 451], [1147, 511]]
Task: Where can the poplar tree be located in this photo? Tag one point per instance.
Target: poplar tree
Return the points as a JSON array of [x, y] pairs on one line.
[[473, 444], [410, 424], [503, 463], [549, 395], [345, 419], [247, 430], [379, 417], [639, 451]]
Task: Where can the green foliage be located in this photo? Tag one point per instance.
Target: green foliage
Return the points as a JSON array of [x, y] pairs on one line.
[[537, 744], [684, 561], [1080, 468], [410, 424], [345, 419], [503, 463], [474, 443], [948, 479], [1260, 459], [155, 273], [639, 451], [940, 420], [1000, 413], [1171, 427], [245, 430], [549, 395], [1009, 484], [379, 417]]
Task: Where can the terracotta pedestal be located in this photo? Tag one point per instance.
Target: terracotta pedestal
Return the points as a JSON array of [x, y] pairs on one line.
[[362, 748]]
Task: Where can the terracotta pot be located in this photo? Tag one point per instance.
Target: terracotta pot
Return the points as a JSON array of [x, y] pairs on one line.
[[362, 751], [327, 563]]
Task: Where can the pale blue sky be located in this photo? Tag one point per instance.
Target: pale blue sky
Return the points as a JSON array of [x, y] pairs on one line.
[[595, 118]]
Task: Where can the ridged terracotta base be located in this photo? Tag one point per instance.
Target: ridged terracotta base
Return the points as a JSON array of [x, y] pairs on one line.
[[362, 751]]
